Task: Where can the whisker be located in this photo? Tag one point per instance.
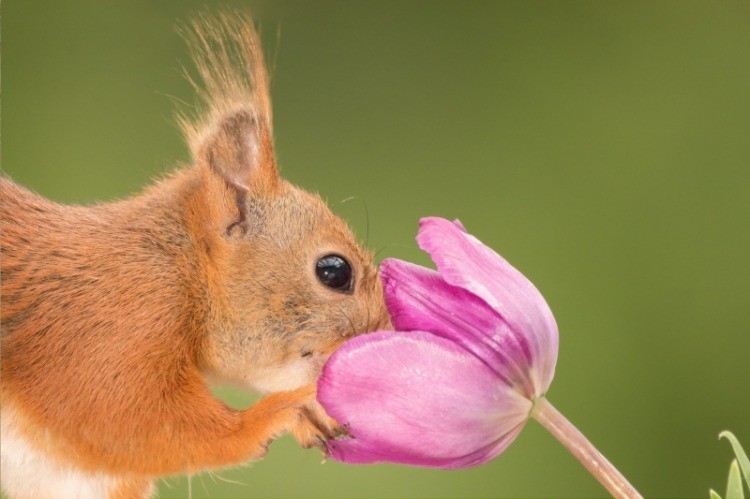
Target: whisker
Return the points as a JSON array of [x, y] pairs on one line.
[[368, 320], [367, 224], [274, 58], [266, 288], [367, 216], [354, 329], [386, 246]]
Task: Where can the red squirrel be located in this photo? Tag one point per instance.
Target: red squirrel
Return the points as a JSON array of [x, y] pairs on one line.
[[116, 317]]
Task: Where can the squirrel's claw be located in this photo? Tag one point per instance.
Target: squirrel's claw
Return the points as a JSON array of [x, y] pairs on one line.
[[322, 444], [316, 429], [345, 431]]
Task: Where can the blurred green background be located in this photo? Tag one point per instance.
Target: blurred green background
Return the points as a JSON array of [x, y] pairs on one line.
[[603, 148]]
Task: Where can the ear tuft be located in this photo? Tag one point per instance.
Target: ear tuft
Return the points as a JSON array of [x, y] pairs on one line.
[[233, 138]]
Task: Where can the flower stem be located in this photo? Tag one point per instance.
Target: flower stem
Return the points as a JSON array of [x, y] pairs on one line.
[[583, 450]]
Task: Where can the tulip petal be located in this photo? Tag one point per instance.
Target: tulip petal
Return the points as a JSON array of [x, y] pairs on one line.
[[418, 399], [358, 451], [419, 299], [463, 261], [458, 224]]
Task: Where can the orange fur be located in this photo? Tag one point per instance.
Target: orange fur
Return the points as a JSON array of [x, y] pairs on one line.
[[114, 315]]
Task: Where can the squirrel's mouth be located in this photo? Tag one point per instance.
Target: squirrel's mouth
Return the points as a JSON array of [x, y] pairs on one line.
[[316, 358]]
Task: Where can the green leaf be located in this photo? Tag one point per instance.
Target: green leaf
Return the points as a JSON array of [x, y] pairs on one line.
[[714, 495], [742, 459], [734, 483]]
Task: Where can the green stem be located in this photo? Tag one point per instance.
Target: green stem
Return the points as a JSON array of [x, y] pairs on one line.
[[583, 450]]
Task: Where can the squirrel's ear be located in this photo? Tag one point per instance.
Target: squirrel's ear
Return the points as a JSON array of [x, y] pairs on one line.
[[239, 151], [232, 141]]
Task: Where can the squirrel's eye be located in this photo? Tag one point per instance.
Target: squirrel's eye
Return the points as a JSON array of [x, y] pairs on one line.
[[334, 272]]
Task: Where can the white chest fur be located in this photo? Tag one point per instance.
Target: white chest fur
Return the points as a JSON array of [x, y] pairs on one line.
[[26, 472]]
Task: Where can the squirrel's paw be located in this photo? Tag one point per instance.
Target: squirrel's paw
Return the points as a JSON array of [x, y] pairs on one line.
[[315, 428]]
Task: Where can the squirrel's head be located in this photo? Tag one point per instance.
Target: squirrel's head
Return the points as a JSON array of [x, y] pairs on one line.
[[285, 280]]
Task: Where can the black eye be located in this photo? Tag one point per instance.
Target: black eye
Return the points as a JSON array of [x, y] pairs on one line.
[[334, 272]]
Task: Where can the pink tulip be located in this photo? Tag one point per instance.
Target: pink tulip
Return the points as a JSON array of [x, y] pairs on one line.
[[470, 362]]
